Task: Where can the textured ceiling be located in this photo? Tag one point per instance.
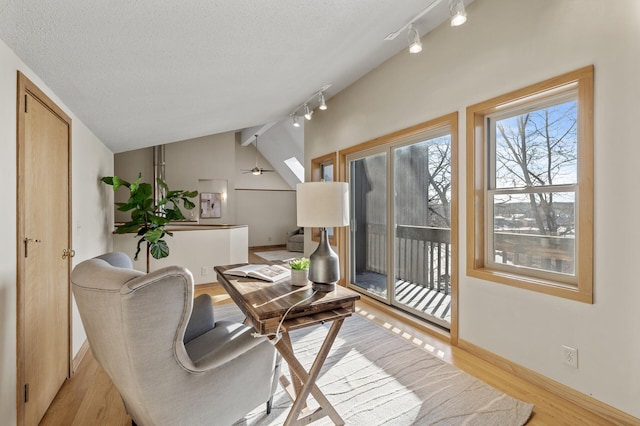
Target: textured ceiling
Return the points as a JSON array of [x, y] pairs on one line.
[[146, 72]]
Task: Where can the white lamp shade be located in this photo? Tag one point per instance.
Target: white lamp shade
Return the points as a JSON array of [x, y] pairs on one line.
[[323, 204]]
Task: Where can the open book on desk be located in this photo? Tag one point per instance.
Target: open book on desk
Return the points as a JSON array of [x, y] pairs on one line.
[[262, 272]]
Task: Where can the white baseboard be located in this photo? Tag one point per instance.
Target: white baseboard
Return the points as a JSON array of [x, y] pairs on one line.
[[79, 357]]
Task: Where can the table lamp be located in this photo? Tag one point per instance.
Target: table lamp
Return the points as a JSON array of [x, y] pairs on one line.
[[323, 205]]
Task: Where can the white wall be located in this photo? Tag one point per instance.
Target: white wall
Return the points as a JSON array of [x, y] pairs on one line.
[[91, 202], [269, 214], [506, 45], [127, 166], [266, 203], [92, 219], [187, 164], [209, 157]]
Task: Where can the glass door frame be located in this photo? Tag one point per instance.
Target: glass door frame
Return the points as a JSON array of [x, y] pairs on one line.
[[447, 124]]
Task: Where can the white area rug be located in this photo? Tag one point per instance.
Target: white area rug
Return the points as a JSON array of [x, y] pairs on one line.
[[373, 377], [275, 255]]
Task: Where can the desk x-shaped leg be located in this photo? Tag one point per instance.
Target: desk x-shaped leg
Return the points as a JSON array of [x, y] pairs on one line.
[[305, 383]]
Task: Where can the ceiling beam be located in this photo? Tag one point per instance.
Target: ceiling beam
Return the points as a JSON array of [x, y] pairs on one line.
[[247, 136]]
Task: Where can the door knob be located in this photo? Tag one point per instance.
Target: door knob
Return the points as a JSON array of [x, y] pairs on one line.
[[68, 253]]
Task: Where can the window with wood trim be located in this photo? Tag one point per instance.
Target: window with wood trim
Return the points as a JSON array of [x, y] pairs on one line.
[[324, 168], [530, 187]]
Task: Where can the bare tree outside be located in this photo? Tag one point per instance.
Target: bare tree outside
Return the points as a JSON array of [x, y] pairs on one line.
[[423, 183], [539, 149], [438, 176], [534, 192]]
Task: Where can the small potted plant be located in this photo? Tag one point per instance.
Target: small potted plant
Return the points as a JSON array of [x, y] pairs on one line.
[[299, 271]]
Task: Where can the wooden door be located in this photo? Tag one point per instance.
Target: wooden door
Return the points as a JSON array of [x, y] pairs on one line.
[[44, 133]]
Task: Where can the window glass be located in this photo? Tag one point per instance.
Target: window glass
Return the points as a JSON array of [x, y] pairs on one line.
[[535, 152], [327, 172], [537, 148]]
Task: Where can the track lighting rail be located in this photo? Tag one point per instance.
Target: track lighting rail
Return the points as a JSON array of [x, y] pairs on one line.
[[457, 14], [307, 111], [429, 8]]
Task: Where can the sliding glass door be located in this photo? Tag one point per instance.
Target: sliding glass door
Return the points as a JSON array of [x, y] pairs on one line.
[[400, 235]]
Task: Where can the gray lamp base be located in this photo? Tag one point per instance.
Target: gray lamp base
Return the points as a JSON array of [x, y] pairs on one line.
[[324, 267], [322, 287]]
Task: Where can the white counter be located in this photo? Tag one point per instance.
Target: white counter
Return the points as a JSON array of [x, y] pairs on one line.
[[197, 247]]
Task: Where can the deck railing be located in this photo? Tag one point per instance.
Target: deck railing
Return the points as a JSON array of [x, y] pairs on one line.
[[423, 254], [545, 252]]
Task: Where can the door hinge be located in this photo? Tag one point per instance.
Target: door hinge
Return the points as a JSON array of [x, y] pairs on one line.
[[26, 109], [26, 393]]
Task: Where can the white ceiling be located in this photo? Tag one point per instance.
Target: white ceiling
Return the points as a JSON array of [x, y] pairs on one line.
[[146, 72]]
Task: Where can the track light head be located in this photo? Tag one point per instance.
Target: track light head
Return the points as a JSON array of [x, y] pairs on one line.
[[457, 12], [415, 45], [306, 111], [323, 104]]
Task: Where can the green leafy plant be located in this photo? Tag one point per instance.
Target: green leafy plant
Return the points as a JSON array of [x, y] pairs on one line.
[[148, 219], [299, 263]]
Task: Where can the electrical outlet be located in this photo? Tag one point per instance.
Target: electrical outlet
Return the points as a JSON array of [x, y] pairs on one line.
[[204, 271], [569, 356]]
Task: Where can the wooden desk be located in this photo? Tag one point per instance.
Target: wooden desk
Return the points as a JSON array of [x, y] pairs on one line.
[[264, 305]]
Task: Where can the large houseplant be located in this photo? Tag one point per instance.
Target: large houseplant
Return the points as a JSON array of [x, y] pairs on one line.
[[148, 218]]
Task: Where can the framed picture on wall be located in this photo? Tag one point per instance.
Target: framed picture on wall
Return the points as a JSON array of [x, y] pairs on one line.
[[210, 205]]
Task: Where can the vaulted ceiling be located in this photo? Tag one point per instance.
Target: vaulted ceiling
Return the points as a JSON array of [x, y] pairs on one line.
[[149, 72], [146, 72]]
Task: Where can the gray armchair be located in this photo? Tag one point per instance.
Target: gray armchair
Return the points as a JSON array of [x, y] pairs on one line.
[[170, 361], [295, 240]]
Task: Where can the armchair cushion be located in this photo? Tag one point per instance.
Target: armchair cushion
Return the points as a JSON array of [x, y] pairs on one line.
[[227, 341]]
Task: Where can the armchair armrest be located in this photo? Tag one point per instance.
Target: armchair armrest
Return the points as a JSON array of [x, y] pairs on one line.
[[295, 232]]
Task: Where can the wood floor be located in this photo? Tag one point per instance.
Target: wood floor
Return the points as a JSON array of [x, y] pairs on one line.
[[89, 398]]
